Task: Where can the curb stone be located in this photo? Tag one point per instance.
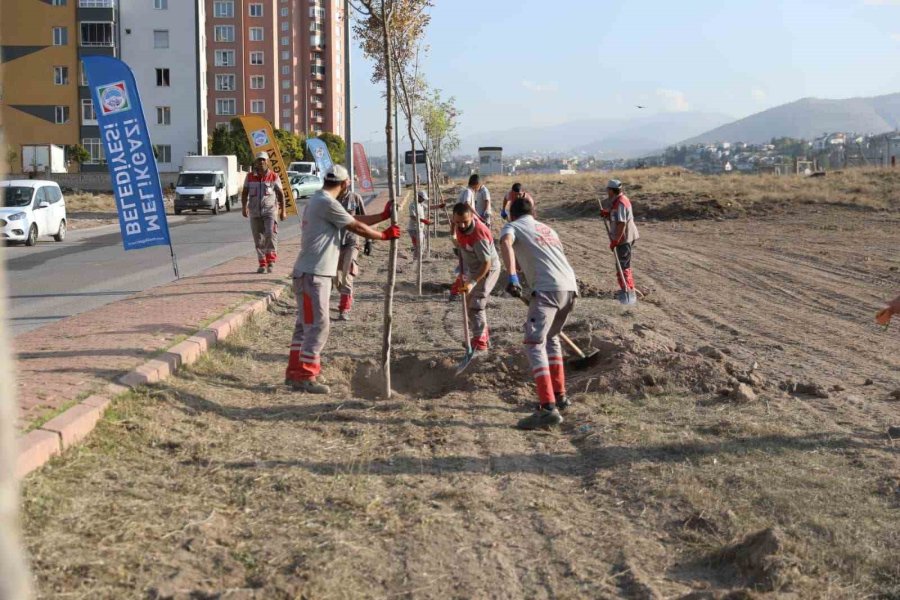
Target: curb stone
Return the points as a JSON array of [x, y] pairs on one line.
[[65, 430]]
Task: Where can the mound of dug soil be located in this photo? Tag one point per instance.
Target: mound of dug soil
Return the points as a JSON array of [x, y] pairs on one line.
[[668, 206]]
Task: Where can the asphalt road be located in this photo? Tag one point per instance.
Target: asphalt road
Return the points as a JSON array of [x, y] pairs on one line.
[[55, 280]]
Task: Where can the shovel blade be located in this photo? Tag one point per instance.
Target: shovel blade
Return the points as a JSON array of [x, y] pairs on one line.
[[587, 361], [465, 362]]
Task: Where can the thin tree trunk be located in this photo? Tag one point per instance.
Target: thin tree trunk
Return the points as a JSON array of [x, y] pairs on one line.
[[392, 259], [415, 198]]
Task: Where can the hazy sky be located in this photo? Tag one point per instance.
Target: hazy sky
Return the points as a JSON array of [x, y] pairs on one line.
[[514, 63]]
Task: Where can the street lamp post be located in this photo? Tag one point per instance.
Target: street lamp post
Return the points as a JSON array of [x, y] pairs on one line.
[[348, 104]]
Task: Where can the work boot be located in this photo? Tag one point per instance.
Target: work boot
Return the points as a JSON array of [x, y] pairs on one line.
[[261, 269], [343, 315], [562, 402], [270, 267], [545, 416], [309, 386]]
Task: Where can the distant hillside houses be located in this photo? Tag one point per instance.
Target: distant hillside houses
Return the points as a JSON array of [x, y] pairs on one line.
[[783, 156]]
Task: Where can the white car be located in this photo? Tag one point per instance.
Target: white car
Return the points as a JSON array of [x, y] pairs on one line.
[[32, 208]]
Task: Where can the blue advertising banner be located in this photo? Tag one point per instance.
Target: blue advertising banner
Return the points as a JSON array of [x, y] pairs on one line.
[[129, 154], [320, 154]]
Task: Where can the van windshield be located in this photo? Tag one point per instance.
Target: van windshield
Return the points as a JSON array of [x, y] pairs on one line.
[[17, 196], [196, 179], [302, 167]]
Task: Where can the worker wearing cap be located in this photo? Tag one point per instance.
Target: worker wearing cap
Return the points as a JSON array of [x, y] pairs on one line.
[[535, 247], [348, 268], [261, 200], [481, 270], [517, 191], [321, 231], [623, 232]]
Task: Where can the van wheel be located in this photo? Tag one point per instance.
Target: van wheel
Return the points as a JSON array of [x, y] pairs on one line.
[[177, 211], [227, 204], [31, 240], [61, 234]]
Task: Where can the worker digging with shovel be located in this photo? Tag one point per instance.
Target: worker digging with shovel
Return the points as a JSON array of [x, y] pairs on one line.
[[480, 272], [623, 234], [536, 247]]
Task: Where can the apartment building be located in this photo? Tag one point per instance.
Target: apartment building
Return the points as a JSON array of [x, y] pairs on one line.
[[281, 59], [39, 74], [164, 43], [46, 99]]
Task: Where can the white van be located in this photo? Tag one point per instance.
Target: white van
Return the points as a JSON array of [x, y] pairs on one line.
[[32, 208], [302, 167]]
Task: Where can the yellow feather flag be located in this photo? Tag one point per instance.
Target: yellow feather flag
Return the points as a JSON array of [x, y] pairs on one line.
[[262, 139]]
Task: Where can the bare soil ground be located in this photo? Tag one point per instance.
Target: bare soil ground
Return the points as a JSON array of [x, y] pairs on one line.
[[667, 479], [85, 210]]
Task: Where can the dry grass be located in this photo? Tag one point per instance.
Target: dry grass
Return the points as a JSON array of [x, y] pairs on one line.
[[90, 203], [672, 193]]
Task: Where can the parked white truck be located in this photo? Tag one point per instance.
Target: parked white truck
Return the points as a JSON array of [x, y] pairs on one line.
[[208, 183], [305, 168]]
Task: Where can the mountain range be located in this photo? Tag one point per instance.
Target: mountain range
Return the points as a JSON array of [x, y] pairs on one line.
[[807, 118]]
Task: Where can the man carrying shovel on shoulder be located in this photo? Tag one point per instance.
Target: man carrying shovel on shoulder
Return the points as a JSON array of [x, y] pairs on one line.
[[535, 247], [623, 234], [321, 229], [481, 270]]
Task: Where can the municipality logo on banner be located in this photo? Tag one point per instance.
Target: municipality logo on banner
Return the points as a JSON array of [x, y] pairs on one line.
[[129, 153], [260, 138], [113, 98], [320, 154]]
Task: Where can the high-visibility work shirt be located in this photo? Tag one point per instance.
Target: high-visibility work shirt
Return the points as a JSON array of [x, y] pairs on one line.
[[540, 253], [321, 230], [477, 247], [621, 212], [261, 198]]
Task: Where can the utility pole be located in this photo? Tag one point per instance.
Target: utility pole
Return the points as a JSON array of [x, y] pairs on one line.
[[348, 103]]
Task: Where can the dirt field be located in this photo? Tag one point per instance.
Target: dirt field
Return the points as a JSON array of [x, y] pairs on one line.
[[85, 210], [667, 479]]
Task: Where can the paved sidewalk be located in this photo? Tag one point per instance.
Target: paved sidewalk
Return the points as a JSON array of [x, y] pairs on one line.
[[70, 359]]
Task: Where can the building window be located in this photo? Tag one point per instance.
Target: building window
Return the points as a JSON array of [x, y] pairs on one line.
[[61, 115], [284, 11], [317, 69], [316, 27], [256, 58], [95, 149], [286, 113], [163, 153], [286, 98], [285, 25], [160, 38], [285, 84], [285, 40], [316, 40], [163, 115], [162, 77], [285, 70], [99, 34], [257, 82], [225, 82], [61, 75], [161, 4], [256, 34], [256, 10], [224, 58], [223, 33], [257, 106], [96, 3], [223, 9], [285, 55], [88, 114], [58, 3], [60, 36], [226, 106], [225, 126]]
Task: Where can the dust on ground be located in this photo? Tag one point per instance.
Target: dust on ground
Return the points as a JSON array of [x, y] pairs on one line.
[[731, 442]]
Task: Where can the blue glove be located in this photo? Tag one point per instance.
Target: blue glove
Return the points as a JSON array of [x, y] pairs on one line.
[[514, 288], [504, 215]]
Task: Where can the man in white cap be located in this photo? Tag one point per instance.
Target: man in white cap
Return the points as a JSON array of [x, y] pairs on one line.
[[261, 200], [322, 225], [623, 232]]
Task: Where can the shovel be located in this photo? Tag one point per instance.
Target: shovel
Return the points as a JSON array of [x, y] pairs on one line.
[[584, 360], [625, 295], [470, 353]]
